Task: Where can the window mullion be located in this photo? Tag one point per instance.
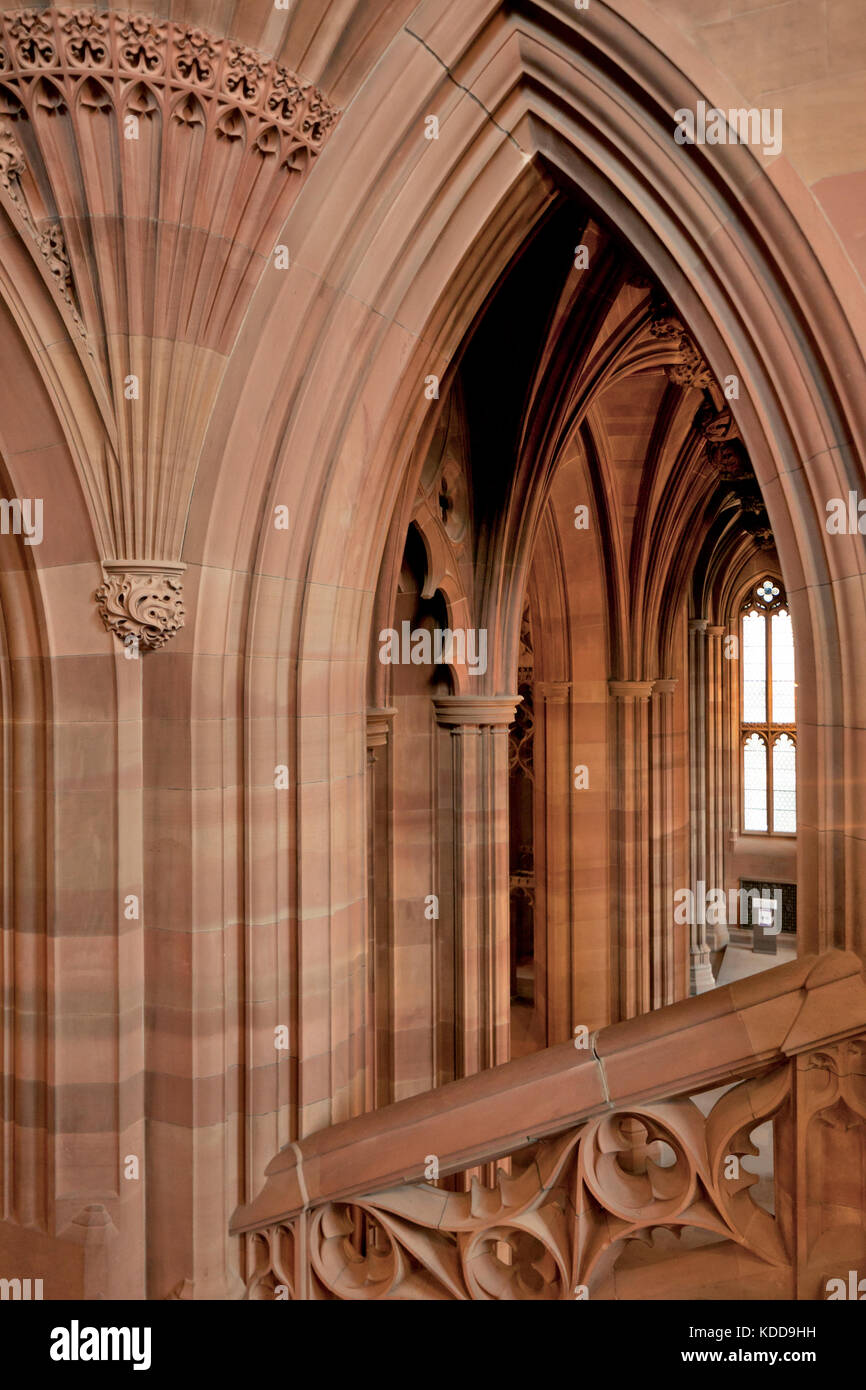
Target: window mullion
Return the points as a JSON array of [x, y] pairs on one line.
[[771, 802], [771, 798]]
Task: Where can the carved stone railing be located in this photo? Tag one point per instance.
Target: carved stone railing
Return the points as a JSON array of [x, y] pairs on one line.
[[616, 1184]]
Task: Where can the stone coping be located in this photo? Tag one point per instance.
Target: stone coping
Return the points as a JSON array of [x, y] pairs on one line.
[[723, 1035]]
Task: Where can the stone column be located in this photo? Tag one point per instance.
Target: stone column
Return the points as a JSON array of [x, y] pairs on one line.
[[700, 972], [630, 804], [664, 984], [714, 811], [476, 788], [379, 907], [553, 858]]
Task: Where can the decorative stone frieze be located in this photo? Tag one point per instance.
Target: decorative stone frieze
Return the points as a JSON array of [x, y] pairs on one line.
[[71, 67], [132, 63]]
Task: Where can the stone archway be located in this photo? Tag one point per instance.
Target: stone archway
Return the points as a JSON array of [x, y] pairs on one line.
[[389, 285], [395, 242]]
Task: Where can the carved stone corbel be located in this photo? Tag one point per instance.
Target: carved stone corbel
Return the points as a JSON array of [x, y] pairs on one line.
[[691, 369], [141, 603], [715, 423]]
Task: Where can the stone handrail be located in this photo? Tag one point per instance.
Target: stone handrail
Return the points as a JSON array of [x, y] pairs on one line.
[[595, 1116]]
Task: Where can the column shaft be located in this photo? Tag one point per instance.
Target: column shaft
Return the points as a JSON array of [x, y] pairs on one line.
[[700, 972], [632, 837], [477, 791]]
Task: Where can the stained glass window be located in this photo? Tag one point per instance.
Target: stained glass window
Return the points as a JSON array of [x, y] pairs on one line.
[[768, 768]]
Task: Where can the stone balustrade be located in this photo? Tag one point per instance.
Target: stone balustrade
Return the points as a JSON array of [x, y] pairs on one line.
[[615, 1182]]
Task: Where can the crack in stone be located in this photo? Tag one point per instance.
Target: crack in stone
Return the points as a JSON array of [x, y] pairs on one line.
[[607, 1100], [468, 91]]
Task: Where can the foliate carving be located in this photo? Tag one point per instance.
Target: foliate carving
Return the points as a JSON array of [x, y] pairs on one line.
[[729, 459], [194, 56], [245, 74], [318, 118], [294, 117], [726, 455], [141, 603], [142, 44], [86, 35], [665, 325], [53, 247], [12, 162], [691, 369], [724, 450], [715, 424], [49, 239], [31, 33], [286, 97]]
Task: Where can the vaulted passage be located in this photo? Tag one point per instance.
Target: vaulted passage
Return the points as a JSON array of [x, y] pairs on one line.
[[431, 631], [585, 483]]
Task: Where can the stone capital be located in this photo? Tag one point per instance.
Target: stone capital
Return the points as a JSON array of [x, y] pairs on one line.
[[630, 690], [379, 723], [479, 711], [664, 687], [554, 692], [698, 624]]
